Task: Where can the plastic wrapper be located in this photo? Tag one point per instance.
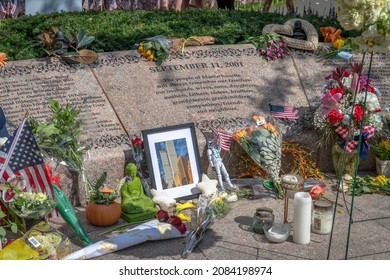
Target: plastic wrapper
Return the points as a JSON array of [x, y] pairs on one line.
[[151, 230], [47, 241], [18, 250], [68, 214]]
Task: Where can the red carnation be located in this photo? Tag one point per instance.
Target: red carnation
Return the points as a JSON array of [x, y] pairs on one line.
[[335, 117], [333, 91], [371, 89], [347, 73], [357, 113]]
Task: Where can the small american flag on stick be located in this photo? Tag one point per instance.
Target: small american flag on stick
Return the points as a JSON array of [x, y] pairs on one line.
[[283, 112], [225, 139]]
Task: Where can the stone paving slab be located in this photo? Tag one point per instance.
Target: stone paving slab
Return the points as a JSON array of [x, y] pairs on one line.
[[232, 238]]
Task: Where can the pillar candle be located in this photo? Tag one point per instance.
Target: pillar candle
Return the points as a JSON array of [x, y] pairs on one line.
[[302, 218]]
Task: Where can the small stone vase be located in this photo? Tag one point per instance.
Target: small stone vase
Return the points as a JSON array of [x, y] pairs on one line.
[[382, 167], [349, 162]]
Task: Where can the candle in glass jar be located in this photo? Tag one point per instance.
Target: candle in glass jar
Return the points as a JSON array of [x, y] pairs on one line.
[[322, 217]]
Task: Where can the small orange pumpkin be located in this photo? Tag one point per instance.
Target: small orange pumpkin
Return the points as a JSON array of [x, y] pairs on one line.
[[103, 215]]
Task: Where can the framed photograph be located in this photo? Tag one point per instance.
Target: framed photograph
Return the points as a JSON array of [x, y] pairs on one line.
[[173, 159]]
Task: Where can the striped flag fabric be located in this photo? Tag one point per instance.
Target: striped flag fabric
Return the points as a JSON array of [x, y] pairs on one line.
[[20, 156], [283, 112], [3, 11], [223, 138]]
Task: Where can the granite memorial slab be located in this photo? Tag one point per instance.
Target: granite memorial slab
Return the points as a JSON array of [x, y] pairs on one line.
[[28, 85], [216, 87]]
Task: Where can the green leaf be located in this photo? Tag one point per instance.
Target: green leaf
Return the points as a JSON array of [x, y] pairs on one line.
[[2, 214], [14, 227], [83, 39], [2, 232]]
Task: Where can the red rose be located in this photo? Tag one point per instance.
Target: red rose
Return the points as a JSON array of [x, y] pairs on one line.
[[162, 216], [335, 117], [333, 91], [317, 192], [136, 141], [357, 113], [174, 220], [182, 228], [347, 73]]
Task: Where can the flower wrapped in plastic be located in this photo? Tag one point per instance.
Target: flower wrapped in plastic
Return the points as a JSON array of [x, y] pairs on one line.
[[151, 230], [29, 205], [263, 143]]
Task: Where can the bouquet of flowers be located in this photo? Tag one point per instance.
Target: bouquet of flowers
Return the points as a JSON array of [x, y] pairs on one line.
[[343, 113], [31, 205], [263, 143], [372, 17]]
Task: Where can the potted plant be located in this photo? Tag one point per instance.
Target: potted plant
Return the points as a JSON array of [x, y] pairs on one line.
[[102, 209], [382, 157]]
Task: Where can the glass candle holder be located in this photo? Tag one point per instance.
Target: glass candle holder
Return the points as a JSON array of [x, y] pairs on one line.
[[263, 216], [322, 217]]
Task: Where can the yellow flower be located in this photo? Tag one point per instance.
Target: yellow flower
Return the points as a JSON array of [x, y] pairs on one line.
[[338, 43], [369, 43], [271, 128], [148, 53], [239, 135], [150, 57], [184, 217], [141, 48], [182, 206], [386, 144], [3, 58], [380, 180], [219, 200]]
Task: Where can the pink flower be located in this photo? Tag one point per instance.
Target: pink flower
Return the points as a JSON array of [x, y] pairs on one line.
[[330, 102], [355, 83], [317, 192]]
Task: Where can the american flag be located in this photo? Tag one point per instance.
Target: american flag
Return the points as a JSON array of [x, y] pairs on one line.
[[225, 139], [113, 5], [3, 11], [20, 156], [15, 7], [283, 112]]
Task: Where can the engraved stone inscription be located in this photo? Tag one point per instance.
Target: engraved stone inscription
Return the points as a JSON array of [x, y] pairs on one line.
[[30, 92], [208, 92], [380, 75]]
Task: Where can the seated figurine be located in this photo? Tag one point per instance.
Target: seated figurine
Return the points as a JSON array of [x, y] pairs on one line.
[[136, 206]]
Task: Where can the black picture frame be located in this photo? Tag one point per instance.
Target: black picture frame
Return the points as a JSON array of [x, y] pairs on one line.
[[173, 159]]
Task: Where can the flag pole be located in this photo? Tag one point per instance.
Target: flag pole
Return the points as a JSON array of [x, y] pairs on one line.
[[12, 148]]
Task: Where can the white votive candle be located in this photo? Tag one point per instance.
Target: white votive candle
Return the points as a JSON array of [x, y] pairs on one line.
[[302, 218]]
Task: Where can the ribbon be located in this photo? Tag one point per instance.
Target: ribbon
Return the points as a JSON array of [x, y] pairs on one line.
[[368, 131]]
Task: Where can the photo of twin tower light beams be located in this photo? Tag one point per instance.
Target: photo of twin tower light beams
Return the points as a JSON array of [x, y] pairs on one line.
[[174, 163]]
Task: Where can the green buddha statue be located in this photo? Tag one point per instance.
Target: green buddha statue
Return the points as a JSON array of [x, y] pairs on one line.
[[136, 206]]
